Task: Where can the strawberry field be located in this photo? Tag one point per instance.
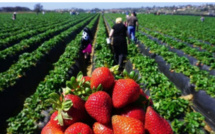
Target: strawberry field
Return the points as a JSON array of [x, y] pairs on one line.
[[167, 85]]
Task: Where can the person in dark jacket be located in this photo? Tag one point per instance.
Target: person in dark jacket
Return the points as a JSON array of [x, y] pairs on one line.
[[119, 34], [86, 40]]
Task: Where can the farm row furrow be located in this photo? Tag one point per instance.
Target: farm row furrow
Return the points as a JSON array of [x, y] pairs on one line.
[[189, 29], [28, 34], [199, 47], [195, 43], [11, 54], [38, 26], [28, 60], [186, 77], [203, 60], [180, 45], [182, 65]]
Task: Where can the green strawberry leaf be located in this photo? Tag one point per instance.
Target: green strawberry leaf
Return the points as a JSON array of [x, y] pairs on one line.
[[66, 116], [66, 90], [66, 105]]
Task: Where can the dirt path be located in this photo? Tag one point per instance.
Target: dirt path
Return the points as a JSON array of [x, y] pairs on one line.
[[90, 66]]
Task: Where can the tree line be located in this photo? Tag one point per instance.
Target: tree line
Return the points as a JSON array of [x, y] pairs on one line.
[[14, 9], [37, 8]]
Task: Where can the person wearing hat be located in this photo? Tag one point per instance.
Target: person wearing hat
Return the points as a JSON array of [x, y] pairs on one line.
[[132, 24], [119, 34], [86, 42]]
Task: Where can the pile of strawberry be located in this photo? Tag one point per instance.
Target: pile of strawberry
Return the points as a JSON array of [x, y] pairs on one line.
[[120, 108]]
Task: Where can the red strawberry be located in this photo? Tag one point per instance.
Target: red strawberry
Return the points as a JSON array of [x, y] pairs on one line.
[[70, 109], [127, 125], [125, 91], [99, 106], [99, 128], [51, 129], [53, 120], [77, 111], [134, 112], [78, 128], [155, 124], [103, 76]]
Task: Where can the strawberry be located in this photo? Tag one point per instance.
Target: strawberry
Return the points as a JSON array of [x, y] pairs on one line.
[[78, 128], [53, 120], [125, 91], [77, 111], [51, 129], [127, 125], [70, 109], [155, 124], [103, 76], [134, 112], [99, 128], [99, 107]]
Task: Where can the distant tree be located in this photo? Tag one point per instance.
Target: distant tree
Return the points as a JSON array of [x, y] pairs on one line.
[[38, 8]]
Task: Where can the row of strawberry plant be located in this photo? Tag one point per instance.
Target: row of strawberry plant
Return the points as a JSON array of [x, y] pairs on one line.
[[200, 47], [202, 56], [187, 88], [23, 18], [9, 55], [182, 27], [196, 44], [167, 102], [33, 25], [15, 39], [43, 30], [28, 119], [169, 30], [165, 95], [103, 54], [201, 79], [27, 60], [27, 20]]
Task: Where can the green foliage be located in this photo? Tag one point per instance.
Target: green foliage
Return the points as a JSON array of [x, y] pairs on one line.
[[103, 55], [192, 124], [164, 93], [26, 121]]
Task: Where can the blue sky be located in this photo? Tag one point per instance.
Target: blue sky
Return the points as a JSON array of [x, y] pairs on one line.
[[90, 5]]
